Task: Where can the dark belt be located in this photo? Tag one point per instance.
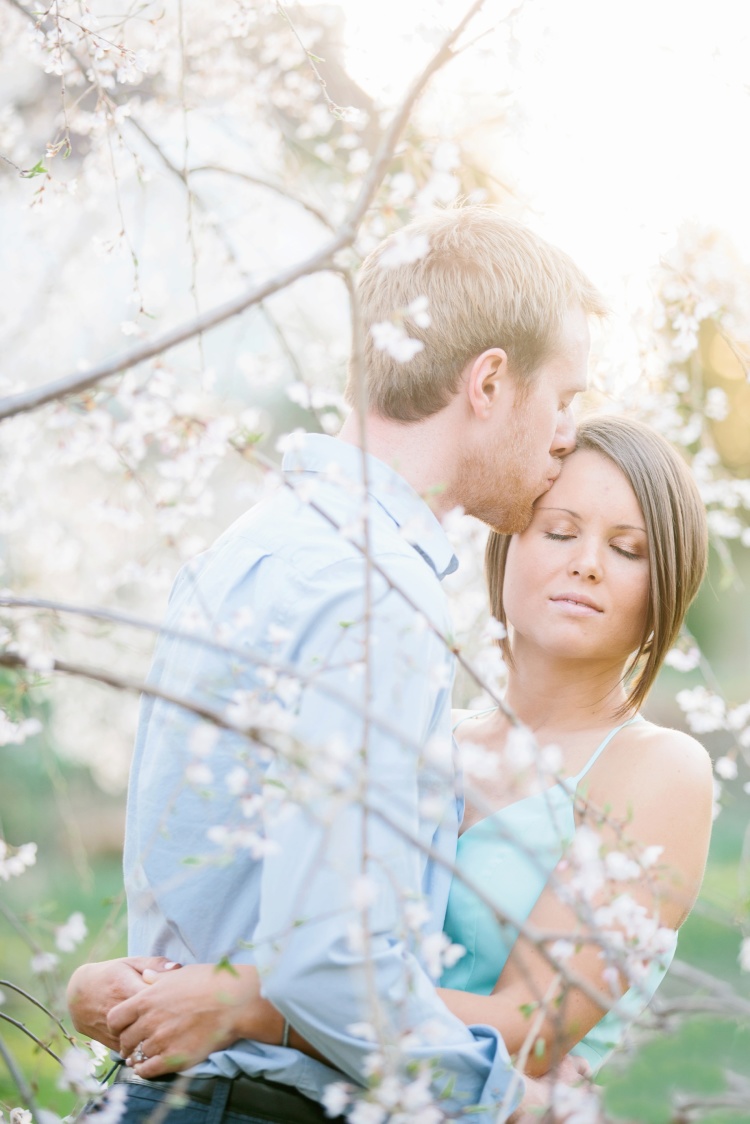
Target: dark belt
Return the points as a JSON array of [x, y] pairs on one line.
[[253, 1095]]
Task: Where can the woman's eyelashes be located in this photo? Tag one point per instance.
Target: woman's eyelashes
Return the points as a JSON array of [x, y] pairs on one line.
[[565, 536]]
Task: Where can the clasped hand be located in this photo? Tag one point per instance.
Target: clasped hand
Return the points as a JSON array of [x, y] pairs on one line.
[[162, 1020]]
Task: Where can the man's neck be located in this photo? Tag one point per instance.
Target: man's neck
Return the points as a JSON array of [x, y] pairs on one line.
[[418, 451]]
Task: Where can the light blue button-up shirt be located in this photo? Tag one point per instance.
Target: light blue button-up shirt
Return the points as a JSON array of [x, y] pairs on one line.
[[260, 850]]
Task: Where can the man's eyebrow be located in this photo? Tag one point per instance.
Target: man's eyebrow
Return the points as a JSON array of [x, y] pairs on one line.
[[616, 526]]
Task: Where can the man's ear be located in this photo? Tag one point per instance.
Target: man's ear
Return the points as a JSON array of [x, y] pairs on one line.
[[487, 381]]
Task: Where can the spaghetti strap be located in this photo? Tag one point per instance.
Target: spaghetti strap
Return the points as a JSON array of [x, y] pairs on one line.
[[473, 714], [601, 747]]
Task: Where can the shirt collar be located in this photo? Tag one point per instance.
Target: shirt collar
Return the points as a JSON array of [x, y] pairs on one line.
[[316, 452]]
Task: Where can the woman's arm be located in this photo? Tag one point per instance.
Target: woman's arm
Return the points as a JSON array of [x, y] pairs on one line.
[[664, 801]]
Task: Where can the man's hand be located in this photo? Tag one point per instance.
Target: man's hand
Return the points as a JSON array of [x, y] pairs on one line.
[[94, 989], [184, 1016]]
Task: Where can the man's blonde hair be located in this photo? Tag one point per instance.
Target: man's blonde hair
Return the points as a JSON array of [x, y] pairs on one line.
[[489, 282]]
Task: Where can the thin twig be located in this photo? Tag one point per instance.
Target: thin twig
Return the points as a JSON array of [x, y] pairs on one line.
[[37, 1003], [269, 185], [21, 1083], [21, 1026]]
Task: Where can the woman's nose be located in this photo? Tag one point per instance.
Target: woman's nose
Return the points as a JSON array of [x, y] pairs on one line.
[[586, 563]]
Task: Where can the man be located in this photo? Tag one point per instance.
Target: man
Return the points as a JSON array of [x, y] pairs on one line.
[[326, 627]]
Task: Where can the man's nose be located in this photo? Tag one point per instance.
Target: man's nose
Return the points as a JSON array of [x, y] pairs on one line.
[[564, 441]]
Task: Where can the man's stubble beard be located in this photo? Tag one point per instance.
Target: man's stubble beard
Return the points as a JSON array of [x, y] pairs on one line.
[[496, 489]]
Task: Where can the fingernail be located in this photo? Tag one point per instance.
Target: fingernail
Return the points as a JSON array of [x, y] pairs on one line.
[[170, 964]]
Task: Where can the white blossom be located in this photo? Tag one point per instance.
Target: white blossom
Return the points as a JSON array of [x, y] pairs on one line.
[[70, 935], [705, 710], [199, 774], [335, 1098], [290, 442], [44, 962], [726, 768], [562, 949], [364, 892], [651, 855], [437, 953], [620, 868], [418, 311], [112, 1108], [416, 914], [14, 861], [744, 957], [683, 660], [367, 1112], [203, 739], [392, 338], [478, 761], [16, 733], [588, 868], [575, 1104], [78, 1072], [403, 248]]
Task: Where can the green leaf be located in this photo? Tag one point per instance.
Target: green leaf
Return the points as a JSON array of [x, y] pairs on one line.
[[38, 170], [225, 965]]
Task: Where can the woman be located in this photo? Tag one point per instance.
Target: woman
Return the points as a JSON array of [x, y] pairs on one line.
[[593, 594]]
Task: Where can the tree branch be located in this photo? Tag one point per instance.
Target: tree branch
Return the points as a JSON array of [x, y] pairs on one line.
[[269, 185], [30, 1034], [77, 382], [321, 261], [37, 1003], [21, 1083]]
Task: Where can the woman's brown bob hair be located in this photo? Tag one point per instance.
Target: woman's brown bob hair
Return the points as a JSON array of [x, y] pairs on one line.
[[675, 528]]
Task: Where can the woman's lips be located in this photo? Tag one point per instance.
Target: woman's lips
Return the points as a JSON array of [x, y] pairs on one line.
[[577, 603]]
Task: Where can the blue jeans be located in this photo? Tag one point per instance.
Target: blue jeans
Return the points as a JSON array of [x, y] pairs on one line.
[[145, 1104]]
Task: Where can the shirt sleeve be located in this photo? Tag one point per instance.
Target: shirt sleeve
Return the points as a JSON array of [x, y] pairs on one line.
[[342, 876]]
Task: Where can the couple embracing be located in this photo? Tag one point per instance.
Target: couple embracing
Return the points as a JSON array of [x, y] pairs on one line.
[[312, 880]]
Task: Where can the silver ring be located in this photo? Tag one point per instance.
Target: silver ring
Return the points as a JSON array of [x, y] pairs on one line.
[[138, 1054]]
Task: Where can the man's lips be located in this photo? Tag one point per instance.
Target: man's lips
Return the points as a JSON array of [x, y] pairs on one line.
[[579, 601]]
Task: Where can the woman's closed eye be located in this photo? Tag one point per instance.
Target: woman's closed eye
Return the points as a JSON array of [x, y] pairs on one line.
[[626, 553], [558, 536]]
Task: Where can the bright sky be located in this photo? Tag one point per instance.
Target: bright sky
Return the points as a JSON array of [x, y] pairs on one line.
[[629, 118]]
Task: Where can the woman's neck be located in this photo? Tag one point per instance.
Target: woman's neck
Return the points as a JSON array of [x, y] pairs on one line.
[[550, 693]]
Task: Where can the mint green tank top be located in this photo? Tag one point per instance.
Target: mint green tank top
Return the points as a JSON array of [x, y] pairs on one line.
[[510, 855]]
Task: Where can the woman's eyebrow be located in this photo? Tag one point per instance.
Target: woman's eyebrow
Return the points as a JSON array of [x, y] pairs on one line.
[[549, 507], [616, 526]]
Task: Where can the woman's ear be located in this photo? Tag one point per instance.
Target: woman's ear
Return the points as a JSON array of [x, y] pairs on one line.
[[487, 381]]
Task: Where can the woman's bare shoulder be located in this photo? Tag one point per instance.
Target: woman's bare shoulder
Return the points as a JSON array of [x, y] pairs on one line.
[[659, 759], [662, 748]]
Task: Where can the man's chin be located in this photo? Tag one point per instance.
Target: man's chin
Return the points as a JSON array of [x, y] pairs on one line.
[[513, 522]]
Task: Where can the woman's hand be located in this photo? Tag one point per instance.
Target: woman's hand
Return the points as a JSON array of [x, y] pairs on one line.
[[94, 989], [184, 1016]]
